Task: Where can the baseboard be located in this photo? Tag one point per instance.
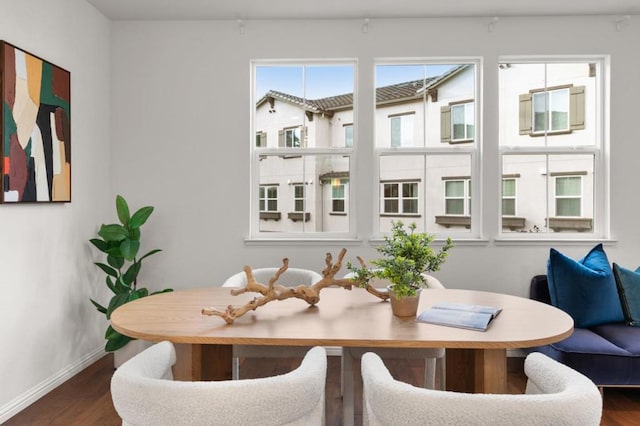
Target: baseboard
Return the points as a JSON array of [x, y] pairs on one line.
[[32, 395]]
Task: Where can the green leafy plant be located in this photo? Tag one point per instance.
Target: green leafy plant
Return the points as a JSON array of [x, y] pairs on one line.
[[121, 243], [407, 254]]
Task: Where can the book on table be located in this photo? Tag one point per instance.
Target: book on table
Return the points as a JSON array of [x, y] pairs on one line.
[[462, 315]]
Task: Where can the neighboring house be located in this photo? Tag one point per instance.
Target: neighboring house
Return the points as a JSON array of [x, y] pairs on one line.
[[311, 192]]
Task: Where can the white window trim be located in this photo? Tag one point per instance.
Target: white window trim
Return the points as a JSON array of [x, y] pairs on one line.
[[513, 197], [474, 151], [400, 198], [466, 197], [601, 220], [548, 130], [255, 234], [466, 106], [567, 197], [294, 187], [343, 198], [266, 198]]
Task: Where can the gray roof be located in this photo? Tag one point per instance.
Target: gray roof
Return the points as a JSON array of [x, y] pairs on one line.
[[404, 91]]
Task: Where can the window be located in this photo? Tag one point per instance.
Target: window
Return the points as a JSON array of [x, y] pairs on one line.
[[559, 109], [298, 198], [301, 144], [457, 196], [402, 131], [261, 139], [508, 197], [292, 137], [348, 135], [568, 191], [400, 198], [462, 121], [419, 106], [269, 198], [337, 197], [551, 120], [551, 111]]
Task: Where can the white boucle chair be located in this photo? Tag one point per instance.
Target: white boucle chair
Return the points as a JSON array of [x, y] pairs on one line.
[[144, 393], [291, 277], [555, 395], [434, 357]]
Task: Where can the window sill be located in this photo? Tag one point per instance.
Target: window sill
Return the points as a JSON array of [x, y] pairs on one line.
[[337, 214], [552, 133], [550, 239], [459, 141], [399, 215]]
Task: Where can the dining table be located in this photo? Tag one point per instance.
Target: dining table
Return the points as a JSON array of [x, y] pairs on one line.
[[476, 361]]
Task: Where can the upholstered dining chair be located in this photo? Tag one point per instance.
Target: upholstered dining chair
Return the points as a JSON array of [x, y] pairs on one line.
[[291, 277], [555, 395], [144, 393], [434, 357]]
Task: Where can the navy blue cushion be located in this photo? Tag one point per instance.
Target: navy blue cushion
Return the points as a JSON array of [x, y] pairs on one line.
[[628, 283], [585, 289], [625, 337]]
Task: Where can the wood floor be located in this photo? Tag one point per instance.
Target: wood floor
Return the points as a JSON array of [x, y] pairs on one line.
[[86, 400]]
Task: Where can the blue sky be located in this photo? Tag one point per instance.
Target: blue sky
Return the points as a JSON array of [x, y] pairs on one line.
[[324, 81]]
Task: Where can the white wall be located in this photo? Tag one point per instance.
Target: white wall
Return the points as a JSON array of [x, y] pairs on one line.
[[48, 328], [182, 133], [180, 103]]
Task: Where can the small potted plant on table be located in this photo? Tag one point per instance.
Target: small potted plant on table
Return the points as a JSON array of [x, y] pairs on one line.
[[407, 255]]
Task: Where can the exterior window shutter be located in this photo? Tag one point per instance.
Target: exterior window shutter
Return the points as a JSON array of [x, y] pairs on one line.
[[576, 107], [525, 113], [303, 136], [445, 124], [281, 138]]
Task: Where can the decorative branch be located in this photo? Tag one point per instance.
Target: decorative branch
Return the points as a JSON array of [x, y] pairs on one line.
[[309, 293]]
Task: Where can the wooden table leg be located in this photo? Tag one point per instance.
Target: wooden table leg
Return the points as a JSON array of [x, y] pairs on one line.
[[477, 370], [202, 362]]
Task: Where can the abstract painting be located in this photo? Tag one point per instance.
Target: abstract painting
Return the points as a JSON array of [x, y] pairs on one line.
[[36, 128]]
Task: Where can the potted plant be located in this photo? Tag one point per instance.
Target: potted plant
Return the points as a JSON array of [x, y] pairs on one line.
[[121, 243], [407, 255]]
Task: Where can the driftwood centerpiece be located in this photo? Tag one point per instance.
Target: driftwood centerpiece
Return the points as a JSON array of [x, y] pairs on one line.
[[309, 293]]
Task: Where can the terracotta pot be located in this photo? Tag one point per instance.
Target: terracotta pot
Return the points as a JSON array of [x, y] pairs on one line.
[[406, 306]]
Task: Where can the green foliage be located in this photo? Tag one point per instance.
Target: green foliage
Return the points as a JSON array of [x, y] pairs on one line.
[[406, 256], [121, 243]]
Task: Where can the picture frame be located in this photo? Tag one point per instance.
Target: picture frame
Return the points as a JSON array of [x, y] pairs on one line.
[[35, 158]]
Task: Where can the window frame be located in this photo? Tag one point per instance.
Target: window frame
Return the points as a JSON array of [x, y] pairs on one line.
[[339, 184], [547, 113], [304, 229], [466, 196], [600, 229], [265, 188], [348, 128], [400, 186], [465, 105], [557, 197], [400, 117], [513, 197], [471, 149]]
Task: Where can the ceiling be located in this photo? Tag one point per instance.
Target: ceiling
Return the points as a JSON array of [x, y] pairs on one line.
[[352, 9]]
